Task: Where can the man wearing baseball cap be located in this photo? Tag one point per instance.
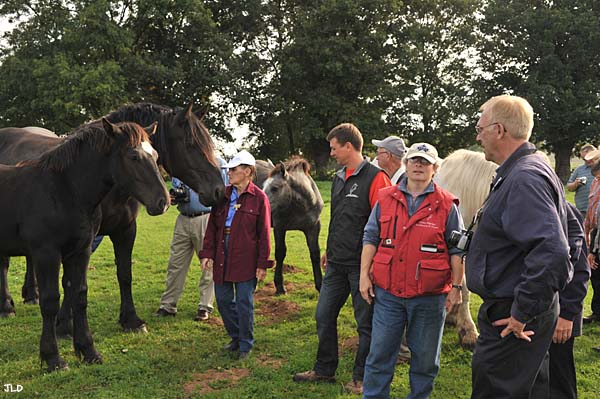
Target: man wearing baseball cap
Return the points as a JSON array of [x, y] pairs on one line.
[[390, 152]]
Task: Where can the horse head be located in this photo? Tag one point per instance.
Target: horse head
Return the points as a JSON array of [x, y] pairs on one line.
[[134, 165], [185, 148], [187, 152]]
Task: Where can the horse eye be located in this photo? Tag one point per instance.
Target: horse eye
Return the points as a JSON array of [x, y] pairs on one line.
[[132, 154]]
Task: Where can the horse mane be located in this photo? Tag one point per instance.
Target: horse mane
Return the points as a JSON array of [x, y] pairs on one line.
[[92, 134], [146, 113], [294, 163], [467, 175]]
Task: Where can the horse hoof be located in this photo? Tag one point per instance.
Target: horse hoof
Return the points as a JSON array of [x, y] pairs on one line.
[[95, 358], [4, 315], [280, 292], [31, 301], [467, 339], [57, 365], [140, 329]]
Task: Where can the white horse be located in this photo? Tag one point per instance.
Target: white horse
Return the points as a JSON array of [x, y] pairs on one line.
[[467, 175]]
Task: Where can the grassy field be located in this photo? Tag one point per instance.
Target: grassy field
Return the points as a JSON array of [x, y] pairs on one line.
[[180, 358]]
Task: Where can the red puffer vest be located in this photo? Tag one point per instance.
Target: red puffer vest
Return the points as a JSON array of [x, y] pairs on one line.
[[412, 258]]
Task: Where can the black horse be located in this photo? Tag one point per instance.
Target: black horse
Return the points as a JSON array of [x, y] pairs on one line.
[[50, 211], [296, 204], [185, 150]]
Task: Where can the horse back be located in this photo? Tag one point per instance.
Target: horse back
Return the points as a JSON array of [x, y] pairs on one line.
[[21, 144]]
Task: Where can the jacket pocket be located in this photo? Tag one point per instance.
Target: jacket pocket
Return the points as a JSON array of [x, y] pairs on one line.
[[433, 276], [385, 227], [382, 270]]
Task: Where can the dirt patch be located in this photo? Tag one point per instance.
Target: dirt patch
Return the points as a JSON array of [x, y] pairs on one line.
[[276, 310], [214, 321], [349, 344], [268, 289], [265, 360], [291, 269], [214, 380]]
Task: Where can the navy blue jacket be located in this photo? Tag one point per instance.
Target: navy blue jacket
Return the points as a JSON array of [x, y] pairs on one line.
[[520, 250], [571, 298]]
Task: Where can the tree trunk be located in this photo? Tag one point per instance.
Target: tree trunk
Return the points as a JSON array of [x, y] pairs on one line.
[[562, 166]]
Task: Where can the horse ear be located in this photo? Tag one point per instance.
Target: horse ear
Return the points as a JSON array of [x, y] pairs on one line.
[[306, 167], [282, 171], [184, 114], [201, 113], [151, 129], [112, 130]]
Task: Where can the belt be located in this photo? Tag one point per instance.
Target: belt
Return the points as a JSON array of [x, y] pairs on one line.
[[193, 215], [227, 230]]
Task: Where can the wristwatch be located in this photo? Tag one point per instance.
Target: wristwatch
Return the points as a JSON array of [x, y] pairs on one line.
[[457, 286]]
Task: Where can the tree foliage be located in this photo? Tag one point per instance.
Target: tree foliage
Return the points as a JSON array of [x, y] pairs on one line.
[[549, 53]]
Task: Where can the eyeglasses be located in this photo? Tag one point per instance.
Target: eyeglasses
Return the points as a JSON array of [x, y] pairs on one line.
[[479, 129], [420, 160]]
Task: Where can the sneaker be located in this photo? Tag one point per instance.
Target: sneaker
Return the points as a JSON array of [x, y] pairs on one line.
[[202, 315], [163, 313], [354, 387], [312, 376]]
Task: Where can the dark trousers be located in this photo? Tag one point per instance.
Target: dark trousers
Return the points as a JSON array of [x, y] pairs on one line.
[[595, 280], [563, 380], [509, 367], [338, 283]]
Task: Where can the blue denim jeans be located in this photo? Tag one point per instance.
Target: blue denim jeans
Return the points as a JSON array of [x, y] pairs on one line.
[[338, 283], [424, 320], [236, 306]]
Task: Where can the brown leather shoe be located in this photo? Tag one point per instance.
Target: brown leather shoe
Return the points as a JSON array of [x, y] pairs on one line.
[[202, 315], [354, 387], [312, 376], [164, 313]]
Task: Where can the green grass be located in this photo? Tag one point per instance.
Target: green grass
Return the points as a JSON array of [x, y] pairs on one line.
[[176, 351]]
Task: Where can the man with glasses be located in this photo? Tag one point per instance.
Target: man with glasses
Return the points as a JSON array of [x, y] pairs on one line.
[[581, 180], [412, 272], [518, 258], [390, 152]]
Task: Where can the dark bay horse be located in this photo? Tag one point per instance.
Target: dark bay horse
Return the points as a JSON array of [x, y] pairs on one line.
[[185, 150], [50, 211], [296, 204]]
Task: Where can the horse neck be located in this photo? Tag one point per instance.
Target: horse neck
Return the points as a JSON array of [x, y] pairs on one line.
[[303, 190], [89, 176]]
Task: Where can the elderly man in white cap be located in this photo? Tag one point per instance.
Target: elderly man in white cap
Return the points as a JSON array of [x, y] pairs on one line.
[[390, 152]]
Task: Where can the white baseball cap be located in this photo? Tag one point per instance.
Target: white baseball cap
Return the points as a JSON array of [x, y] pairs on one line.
[[423, 150], [241, 158]]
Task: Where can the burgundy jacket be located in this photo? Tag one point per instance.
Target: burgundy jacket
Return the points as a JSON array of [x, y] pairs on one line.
[[249, 241]]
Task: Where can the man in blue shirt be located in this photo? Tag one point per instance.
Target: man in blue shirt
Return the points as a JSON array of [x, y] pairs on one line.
[[188, 235], [581, 180], [518, 260]]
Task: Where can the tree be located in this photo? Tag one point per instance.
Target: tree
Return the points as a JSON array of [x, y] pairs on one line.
[[433, 49], [549, 53], [71, 61]]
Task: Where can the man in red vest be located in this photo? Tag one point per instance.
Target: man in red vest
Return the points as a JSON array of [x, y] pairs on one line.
[[412, 271]]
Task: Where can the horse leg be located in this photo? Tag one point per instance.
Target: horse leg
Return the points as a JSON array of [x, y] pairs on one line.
[[312, 240], [280, 252], [75, 279], [7, 305], [123, 246], [467, 331], [29, 291], [64, 319], [46, 265]]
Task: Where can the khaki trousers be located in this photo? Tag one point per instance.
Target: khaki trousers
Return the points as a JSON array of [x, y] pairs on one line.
[[187, 242]]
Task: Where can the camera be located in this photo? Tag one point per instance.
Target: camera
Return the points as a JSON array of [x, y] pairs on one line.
[[583, 179], [461, 239], [180, 195]]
